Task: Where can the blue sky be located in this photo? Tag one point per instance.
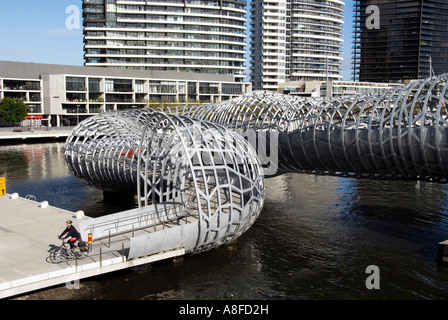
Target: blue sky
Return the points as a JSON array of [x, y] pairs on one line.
[[35, 31]]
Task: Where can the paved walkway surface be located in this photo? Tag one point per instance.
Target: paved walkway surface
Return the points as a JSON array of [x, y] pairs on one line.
[[29, 230], [38, 134]]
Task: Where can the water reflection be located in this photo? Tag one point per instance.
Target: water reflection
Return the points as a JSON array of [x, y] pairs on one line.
[[343, 225], [41, 170]]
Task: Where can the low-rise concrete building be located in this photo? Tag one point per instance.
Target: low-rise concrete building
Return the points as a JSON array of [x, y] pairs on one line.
[[337, 88], [60, 95]]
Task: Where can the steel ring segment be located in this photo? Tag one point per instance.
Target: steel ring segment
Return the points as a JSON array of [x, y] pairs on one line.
[[210, 173], [101, 150], [184, 168], [398, 133]]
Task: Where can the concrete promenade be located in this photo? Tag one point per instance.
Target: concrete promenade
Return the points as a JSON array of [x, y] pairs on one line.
[[28, 230], [54, 133]]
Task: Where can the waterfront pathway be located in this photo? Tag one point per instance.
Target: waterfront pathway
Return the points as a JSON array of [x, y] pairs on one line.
[[54, 133], [29, 229]]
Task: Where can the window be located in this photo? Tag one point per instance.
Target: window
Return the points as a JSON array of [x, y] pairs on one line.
[[230, 88], [162, 87], [139, 86], [118, 85], [182, 88], [75, 84], [208, 88], [94, 85], [109, 85]]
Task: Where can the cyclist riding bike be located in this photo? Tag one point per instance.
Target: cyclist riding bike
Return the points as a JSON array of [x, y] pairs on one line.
[[70, 232]]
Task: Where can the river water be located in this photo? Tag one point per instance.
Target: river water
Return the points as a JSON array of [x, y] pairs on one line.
[[315, 239]]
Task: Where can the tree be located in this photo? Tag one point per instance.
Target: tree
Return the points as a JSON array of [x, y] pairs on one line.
[[13, 110]]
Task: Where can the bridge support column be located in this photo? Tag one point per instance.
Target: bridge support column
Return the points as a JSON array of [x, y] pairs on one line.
[[442, 252], [119, 197]]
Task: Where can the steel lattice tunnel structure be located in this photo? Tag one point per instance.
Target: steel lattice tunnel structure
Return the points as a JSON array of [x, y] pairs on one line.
[[400, 133], [204, 164], [202, 178]]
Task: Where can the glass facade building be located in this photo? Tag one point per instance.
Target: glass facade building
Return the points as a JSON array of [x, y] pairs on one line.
[[201, 36], [295, 40], [410, 39]]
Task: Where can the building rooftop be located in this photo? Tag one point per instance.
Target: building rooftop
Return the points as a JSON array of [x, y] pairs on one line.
[[18, 70]]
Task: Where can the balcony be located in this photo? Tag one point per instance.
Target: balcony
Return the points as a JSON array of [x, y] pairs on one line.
[[21, 85], [122, 98], [75, 97]]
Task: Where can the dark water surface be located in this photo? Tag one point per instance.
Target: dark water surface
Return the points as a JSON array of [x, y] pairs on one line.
[[314, 239]]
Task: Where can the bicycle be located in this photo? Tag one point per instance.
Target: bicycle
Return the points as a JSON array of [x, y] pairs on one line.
[[65, 252]]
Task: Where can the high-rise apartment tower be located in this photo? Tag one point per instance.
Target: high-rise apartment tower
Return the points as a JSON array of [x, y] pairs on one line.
[[205, 36], [295, 40], [397, 40]]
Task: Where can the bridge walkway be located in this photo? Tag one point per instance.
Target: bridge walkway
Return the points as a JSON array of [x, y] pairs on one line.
[[28, 231]]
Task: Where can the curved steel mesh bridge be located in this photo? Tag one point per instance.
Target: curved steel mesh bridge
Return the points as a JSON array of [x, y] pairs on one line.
[[203, 179], [204, 164], [400, 133]]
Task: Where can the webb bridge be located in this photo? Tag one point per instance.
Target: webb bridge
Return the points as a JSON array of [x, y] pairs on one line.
[[199, 171]]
